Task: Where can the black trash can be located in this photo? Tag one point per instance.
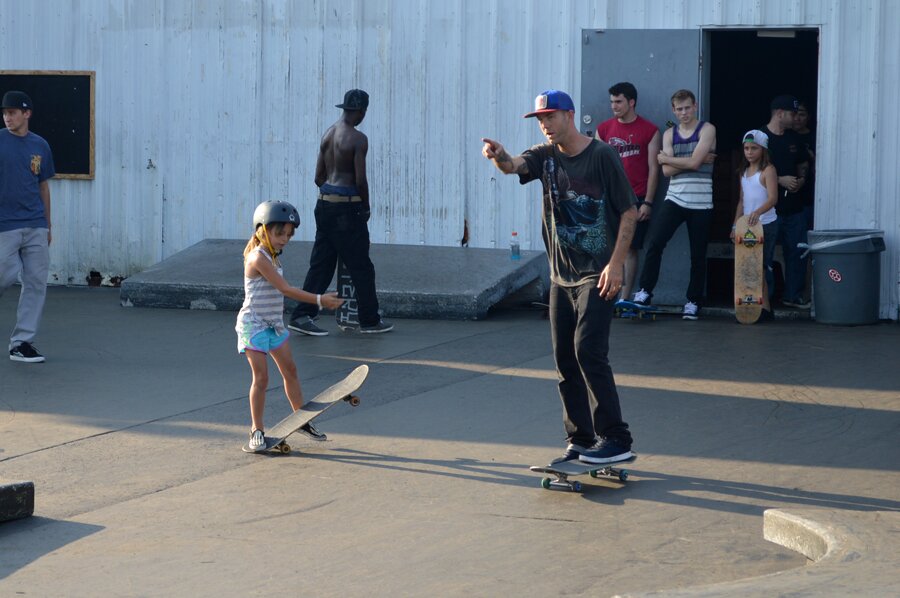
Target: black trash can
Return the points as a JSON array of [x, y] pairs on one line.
[[846, 272]]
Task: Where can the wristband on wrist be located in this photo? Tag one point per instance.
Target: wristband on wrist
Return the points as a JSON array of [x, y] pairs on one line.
[[319, 301]]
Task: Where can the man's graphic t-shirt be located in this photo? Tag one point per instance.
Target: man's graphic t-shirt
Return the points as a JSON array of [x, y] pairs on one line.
[[584, 198]]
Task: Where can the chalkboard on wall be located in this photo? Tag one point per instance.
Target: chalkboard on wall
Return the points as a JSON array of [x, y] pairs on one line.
[[63, 115]]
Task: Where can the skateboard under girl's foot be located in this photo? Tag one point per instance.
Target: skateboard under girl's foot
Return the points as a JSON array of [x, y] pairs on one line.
[[342, 391]]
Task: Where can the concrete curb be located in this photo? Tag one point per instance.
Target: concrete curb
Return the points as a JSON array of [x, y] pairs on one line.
[[16, 500], [853, 553], [448, 283]]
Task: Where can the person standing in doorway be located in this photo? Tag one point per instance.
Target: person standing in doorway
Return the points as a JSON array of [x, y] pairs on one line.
[[791, 163], [758, 197], [342, 216], [687, 158], [807, 135], [589, 216], [638, 142], [26, 166]]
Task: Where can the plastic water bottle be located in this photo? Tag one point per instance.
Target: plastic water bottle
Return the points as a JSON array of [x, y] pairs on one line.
[[514, 253]]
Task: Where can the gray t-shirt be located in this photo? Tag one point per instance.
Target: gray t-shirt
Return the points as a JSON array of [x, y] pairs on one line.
[[584, 198]]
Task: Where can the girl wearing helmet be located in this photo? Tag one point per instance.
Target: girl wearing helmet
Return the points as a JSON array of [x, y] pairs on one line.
[[260, 323]]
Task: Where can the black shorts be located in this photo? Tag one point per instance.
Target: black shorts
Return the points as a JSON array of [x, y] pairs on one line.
[[640, 230]]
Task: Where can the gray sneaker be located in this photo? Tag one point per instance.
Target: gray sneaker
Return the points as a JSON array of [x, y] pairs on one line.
[[307, 327], [378, 328]]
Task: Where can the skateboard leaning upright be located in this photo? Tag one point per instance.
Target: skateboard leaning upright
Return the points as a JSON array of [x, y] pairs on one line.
[[749, 281], [347, 315], [342, 391]]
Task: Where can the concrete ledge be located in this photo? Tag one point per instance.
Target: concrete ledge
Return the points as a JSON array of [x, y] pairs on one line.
[[853, 553], [16, 500], [454, 283]]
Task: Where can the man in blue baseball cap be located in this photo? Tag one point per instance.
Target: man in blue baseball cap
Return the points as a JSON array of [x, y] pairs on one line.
[[26, 164], [589, 216]]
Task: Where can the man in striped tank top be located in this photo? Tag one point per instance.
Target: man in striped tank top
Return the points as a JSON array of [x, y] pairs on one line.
[[687, 158]]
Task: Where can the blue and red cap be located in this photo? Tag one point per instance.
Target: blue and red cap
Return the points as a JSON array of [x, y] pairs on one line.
[[551, 101]]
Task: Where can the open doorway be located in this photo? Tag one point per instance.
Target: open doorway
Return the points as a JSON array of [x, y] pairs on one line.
[[743, 71]]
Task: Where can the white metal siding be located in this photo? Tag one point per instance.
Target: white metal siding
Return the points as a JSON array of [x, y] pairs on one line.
[[204, 108]]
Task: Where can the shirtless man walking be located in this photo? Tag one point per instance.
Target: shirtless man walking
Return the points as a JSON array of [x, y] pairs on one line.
[[342, 215]]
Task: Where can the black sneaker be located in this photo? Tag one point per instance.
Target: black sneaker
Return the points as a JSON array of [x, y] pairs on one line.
[[378, 328], [307, 327], [25, 352], [310, 431], [573, 451], [798, 304], [606, 451]]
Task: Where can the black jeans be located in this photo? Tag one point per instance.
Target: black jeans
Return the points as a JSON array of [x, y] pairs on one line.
[[579, 326], [341, 231], [663, 226]]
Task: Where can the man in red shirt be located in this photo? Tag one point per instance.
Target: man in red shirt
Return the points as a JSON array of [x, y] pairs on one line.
[[637, 140]]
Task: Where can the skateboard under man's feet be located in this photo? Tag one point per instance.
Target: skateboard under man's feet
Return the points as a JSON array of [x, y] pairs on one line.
[[342, 391], [562, 471], [639, 311]]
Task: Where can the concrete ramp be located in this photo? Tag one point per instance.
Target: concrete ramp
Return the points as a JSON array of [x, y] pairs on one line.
[[454, 283]]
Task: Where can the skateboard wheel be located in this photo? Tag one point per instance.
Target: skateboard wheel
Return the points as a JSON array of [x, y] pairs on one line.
[[576, 486], [545, 483], [284, 448], [594, 473], [623, 475], [353, 400]]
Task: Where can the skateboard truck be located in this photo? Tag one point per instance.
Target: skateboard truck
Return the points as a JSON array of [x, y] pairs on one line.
[[561, 481], [749, 300], [749, 239]]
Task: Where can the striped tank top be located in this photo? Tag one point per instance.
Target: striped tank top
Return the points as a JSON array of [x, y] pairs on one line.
[[691, 189], [263, 306]]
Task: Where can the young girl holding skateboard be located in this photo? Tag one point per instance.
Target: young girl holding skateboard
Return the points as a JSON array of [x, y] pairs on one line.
[[759, 194], [260, 323]]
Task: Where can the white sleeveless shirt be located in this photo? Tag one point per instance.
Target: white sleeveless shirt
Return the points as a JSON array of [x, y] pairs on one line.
[[756, 195]]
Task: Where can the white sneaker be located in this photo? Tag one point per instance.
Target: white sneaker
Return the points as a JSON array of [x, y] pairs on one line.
[[642, 297], [690, 311], [257, 441]]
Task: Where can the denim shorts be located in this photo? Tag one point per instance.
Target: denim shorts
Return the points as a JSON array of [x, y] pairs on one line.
[[265, 341]]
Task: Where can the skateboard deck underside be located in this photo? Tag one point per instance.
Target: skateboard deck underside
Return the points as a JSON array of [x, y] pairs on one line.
[[748, 272], [343, 390]]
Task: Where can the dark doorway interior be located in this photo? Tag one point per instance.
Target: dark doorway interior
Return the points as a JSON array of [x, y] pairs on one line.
[[745, 70]]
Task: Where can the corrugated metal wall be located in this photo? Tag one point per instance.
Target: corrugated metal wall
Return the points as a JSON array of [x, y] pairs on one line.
[[205, 108]]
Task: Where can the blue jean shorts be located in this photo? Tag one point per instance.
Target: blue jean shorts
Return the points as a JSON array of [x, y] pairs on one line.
[[265, 341]]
